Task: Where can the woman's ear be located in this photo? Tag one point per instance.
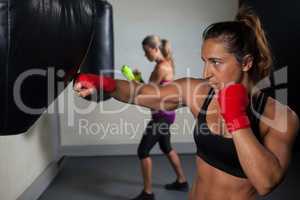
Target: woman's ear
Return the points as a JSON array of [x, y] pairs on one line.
[[247, 63]]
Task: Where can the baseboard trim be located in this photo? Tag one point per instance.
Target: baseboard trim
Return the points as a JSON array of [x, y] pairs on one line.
[[121, 149], [35, 190]]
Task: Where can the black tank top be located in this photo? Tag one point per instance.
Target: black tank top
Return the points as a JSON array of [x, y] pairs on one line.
[[219, 151]]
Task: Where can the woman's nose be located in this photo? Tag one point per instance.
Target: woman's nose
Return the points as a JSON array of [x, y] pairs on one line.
[[206, 72]]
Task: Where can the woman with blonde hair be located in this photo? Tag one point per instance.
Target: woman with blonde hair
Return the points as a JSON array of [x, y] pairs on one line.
[[158, 129]]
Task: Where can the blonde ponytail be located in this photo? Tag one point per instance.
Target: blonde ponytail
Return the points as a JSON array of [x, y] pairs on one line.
[[166, 51]]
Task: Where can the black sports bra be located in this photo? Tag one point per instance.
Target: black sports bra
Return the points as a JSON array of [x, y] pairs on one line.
[[219, 151]]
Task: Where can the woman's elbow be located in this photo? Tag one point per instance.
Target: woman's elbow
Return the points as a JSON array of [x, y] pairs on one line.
[[146, 97], [264, 191], [270, 185]]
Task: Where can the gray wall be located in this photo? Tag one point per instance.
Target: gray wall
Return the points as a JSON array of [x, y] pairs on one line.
[[180, 21], [23, 158]]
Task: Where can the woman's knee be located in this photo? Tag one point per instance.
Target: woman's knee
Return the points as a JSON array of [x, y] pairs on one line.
[[143, 152], [166, 149]]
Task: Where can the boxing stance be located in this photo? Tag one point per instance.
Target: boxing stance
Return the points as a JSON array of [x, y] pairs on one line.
[[243, 137], [157, 131]]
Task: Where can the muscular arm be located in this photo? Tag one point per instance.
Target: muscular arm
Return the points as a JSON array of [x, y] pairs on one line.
[[166, 97], [266, 164], [181, 92]]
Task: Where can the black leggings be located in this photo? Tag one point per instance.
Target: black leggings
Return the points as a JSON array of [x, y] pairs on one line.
[[156, 131]]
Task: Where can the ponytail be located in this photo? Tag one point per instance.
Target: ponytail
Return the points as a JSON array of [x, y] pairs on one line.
[[166, 51], [163, 45], [264, 57]]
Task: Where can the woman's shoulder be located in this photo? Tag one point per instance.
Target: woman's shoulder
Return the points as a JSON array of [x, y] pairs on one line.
[[278, 111], [194, 90], [163, 65], [279, 117]]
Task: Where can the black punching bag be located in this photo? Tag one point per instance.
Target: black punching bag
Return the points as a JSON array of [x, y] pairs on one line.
[[41, 41], [100, 59]]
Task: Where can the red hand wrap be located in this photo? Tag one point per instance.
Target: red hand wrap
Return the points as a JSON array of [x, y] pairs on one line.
[[233, 101], [105, 83]]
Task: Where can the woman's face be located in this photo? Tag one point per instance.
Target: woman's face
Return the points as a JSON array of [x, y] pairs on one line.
[[220, 66], [150, 53]]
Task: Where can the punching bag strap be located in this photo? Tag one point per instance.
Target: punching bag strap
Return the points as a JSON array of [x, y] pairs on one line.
[[73, 72]]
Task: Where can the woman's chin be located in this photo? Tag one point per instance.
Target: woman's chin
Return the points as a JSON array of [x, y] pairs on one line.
[[214, 85]]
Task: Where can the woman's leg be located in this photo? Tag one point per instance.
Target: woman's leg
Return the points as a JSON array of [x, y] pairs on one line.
[[149, 139], [146, 165], [176, 164], [165, 146]]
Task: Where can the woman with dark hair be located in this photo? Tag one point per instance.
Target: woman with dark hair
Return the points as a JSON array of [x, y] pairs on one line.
[[244, 138]]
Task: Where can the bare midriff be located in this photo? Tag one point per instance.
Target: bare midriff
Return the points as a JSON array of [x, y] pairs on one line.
[[214, 184]]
